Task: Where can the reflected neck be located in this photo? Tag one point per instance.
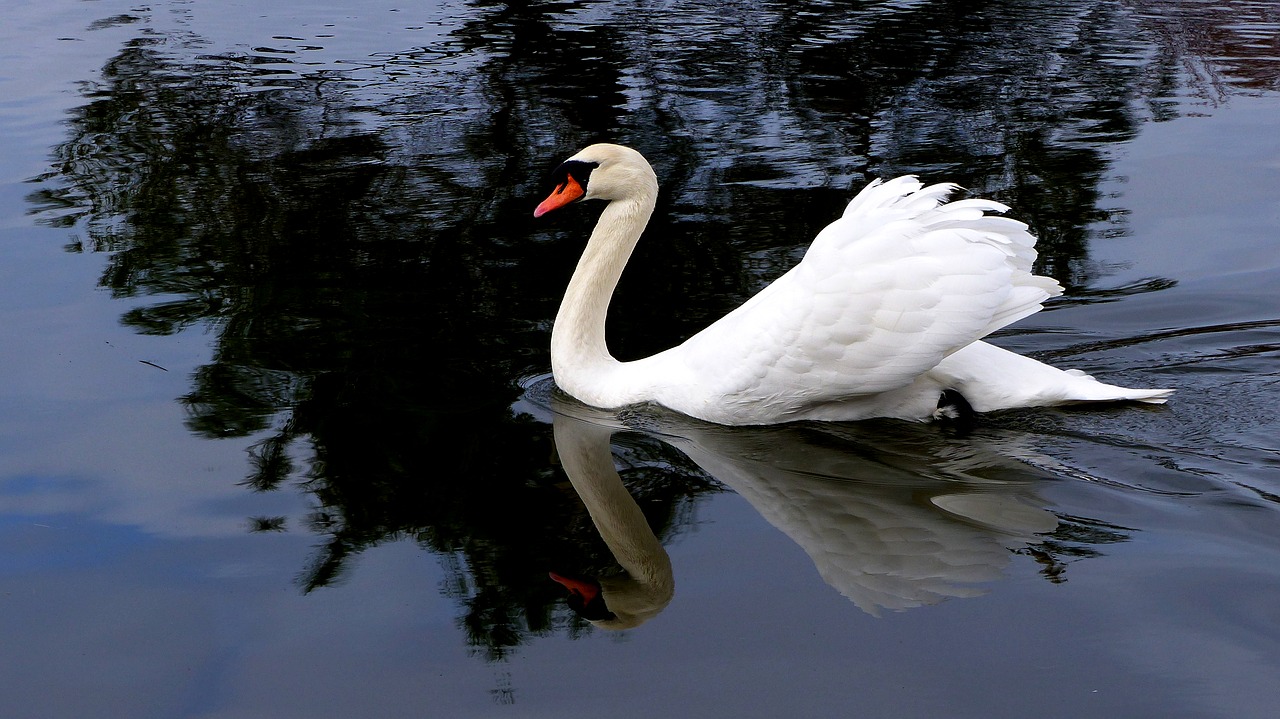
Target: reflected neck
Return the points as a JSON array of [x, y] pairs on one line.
[[585, 454]]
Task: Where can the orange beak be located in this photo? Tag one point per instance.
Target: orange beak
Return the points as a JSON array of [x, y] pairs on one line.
[[584, 589], [567, 192]]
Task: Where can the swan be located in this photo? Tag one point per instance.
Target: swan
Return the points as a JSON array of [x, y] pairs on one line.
[[883, 317]]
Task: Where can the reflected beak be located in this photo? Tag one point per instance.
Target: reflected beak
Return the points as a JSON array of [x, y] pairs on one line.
[[586, 590], [585, 597], [567, 192]]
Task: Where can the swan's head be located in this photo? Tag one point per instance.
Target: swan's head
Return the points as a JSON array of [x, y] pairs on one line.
[[617, 603], [600, 172]]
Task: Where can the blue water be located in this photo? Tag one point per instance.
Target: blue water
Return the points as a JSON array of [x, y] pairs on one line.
[[276, 437]]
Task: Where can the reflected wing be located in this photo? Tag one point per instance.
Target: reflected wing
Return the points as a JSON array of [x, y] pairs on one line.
[[876, 521], [884, 293], [882, 551]]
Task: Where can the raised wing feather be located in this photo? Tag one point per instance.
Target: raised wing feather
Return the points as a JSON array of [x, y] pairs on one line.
[[884, 293]]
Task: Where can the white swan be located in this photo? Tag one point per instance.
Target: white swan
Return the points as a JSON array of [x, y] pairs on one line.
[[882, 316]]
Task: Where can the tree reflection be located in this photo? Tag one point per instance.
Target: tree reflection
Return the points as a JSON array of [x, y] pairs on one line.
[[376, 286]]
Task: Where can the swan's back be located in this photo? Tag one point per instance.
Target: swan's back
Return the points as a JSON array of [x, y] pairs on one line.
[[883, 295]]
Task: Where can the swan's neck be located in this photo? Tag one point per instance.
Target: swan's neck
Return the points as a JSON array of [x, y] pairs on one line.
[[580, 360]]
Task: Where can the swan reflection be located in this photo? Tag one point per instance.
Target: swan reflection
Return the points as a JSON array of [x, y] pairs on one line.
[[892, 516], [646, 588]]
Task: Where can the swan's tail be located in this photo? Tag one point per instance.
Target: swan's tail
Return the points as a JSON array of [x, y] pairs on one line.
[[1089, 389], [991, 378]]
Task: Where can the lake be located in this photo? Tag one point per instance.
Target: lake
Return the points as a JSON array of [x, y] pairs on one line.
[[279, 438]]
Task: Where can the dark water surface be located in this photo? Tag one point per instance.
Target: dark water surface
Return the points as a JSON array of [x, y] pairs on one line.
[[277, 439]]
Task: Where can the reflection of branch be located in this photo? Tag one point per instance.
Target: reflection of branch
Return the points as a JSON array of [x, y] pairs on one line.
[[1218, 46], [1072, 540], [326, 567], [270, 460], [1111, 344], [1099, 295], [267, 524]]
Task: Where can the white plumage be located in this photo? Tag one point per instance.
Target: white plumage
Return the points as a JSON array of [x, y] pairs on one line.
[[885, 312]]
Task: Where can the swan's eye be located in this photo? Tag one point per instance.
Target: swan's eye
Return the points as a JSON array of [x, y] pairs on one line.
[[575, 170]]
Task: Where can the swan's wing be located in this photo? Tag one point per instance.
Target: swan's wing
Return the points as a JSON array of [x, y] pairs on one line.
[[887, 291]]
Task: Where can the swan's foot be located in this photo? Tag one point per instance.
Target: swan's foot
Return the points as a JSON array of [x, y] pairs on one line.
[[955, 410]]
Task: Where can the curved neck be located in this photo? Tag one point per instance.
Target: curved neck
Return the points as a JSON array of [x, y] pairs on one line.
[[580, 360], [585, 454]]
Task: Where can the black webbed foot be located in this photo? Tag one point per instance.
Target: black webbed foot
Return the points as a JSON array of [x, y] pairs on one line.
[[955, 412]]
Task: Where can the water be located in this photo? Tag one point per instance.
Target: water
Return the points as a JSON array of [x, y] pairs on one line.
[[277, 439]]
